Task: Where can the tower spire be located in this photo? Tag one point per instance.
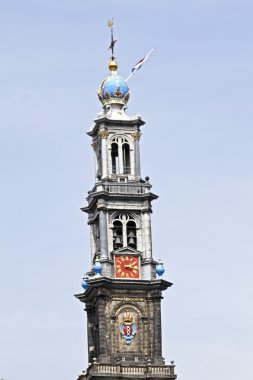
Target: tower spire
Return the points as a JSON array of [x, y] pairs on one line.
[[122, 290]]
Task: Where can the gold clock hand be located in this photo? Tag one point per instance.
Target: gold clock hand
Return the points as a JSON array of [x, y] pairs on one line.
[[129, 266]]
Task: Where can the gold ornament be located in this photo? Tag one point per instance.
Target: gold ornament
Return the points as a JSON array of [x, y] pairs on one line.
[[112, 65], [103, 134], [110, 23], [136, 135]]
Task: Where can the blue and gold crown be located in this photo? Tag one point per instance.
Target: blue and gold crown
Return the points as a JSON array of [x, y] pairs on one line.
[[127, 318], [114, 89]]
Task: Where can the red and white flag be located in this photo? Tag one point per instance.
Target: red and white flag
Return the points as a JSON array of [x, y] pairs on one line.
[[140, 63]]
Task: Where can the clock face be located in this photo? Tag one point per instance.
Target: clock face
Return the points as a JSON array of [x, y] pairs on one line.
[[127, 266]]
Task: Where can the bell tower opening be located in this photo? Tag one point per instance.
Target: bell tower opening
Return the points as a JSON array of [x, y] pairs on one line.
[[131, 235], [115, 158], [126, 158], [117, 234]]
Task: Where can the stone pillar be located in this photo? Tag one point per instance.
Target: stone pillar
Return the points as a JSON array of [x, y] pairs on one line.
[[102, 326], [157, 328], [94, 146], [137, 159], [121, 166], [90, 333], [92, 242], [137, 162], [109, 160], [146, 219], [103, 234], [124, 231], [103, 135], [150, 328]]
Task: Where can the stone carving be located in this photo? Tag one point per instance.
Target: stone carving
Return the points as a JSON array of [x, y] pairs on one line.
[[103, 134], [136, 135]]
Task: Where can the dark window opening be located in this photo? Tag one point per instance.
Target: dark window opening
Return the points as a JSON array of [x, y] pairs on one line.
[[131, 235], [115, 158], [126, 158], [117, 234]]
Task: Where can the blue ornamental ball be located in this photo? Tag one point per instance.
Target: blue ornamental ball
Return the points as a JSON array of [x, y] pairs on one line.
[[85, 284], [160, 269], [97, 267]]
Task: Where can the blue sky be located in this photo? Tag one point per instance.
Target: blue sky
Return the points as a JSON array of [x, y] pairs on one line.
[[195, 93]]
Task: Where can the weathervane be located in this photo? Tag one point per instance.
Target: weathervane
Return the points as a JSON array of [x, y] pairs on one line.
[[113, 64], [110, 25]]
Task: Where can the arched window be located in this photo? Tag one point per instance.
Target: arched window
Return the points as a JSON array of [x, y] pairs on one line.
[[117, 234], [115, 158], [126, 158], [131, 234], [124, 231]]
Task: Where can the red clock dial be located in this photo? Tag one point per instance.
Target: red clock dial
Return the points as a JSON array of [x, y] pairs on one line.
[[127, 266]]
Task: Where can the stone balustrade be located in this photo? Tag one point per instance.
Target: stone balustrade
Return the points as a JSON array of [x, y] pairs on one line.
[[133, 370], [106, 368], [126, 188], [120, 188], [123, 370]]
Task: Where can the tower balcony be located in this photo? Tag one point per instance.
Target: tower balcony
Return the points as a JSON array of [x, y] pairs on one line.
[[122, 189], [117, 371]]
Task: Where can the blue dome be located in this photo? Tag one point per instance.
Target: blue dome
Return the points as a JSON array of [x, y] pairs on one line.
[[114, 89], [114, 84]]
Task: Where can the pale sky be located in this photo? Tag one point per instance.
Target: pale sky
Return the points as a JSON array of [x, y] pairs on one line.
[[195, 94]]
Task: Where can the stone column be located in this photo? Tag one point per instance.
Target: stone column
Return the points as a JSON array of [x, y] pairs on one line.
[[109, 160], [121, 166], [137, 162], [157, 328], [103, 234], [90, 333], [146, 218], [124, 231], [150, 328], [102, 326], [92, 242], [103, 135]]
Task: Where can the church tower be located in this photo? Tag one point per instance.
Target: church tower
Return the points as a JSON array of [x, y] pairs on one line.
[[123, 290]]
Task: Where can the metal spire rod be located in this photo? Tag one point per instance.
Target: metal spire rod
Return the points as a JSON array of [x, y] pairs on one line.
[[110, 25]]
